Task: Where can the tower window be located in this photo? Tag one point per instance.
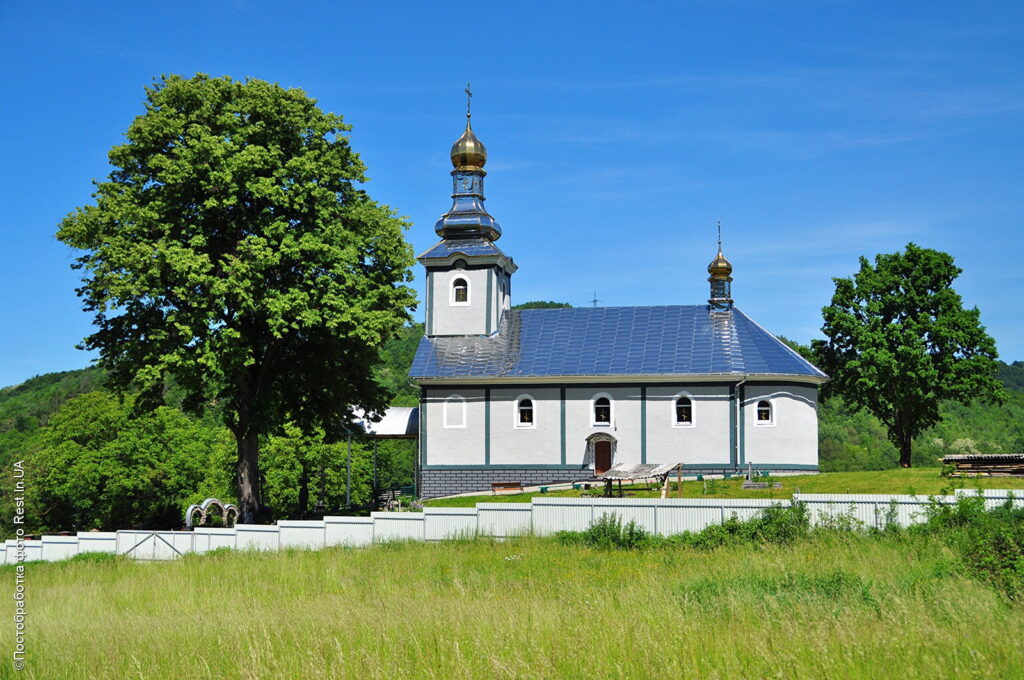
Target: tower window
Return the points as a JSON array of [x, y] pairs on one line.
[[602, 411], [684, 411], [460, 291], [764, 413], [524, 413]]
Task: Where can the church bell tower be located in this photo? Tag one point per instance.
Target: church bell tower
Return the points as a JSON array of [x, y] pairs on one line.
[[468, 276]]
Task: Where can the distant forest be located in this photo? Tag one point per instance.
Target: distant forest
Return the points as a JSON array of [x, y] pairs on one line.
[[76, 436]]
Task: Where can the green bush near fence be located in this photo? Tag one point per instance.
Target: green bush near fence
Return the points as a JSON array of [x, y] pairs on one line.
[[990, 542], [777, 524]]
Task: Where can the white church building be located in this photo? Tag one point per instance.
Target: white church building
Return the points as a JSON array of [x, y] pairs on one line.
[[551, 395]]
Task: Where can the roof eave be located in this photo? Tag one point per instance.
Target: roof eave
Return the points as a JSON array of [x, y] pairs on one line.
[[724, 378], [502, 260]]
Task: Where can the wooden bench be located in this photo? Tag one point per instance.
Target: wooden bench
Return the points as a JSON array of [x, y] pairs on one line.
[[516, 487]]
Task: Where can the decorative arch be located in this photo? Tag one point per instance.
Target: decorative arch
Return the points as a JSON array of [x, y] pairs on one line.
[[764, 413], [596, 404], [454, 412], [588, 455], [524, 403]]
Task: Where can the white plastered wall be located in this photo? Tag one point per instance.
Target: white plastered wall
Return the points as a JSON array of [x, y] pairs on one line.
[[792, 436], [450, 318], [515, 444], [705, 441], [454, 445], [625, 425]]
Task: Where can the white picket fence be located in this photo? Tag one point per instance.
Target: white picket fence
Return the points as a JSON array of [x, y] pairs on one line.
[[542, 516]]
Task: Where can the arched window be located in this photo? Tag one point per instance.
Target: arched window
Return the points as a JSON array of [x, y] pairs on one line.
[[764, 413], [602, 411], [524, 413], [460, 291], [454, 412], [684, 411]]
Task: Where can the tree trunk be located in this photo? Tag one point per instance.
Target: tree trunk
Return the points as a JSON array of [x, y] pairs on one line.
[[905, 450], [899, 434], [249, 510]]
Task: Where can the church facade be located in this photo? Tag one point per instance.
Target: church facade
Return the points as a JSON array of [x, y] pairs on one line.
[[551, 395]]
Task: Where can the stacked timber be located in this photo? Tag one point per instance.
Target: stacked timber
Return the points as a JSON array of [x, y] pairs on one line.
[[981, 465]]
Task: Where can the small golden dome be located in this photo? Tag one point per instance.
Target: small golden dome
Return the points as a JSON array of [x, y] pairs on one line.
[[468, 152], [720, 268]]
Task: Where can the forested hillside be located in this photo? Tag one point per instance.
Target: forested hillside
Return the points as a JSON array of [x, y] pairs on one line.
[[94, 466]]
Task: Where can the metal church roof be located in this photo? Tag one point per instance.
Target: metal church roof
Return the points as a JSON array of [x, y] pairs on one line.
[[472, 247], [683, 340]]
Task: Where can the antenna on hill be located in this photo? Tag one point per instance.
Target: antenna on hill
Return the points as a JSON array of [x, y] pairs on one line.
[[595, 300]]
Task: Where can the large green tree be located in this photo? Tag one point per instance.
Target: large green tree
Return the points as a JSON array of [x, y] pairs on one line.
[[233, 249], [899, 342]]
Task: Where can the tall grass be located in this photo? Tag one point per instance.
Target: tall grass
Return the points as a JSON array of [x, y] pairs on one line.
[[779, 604]]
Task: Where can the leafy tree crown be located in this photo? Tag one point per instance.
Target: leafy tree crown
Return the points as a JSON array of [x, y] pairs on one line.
[[233, 249], [899, 341]]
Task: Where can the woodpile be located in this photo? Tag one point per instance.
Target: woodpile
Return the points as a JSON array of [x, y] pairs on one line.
[[979, 465]]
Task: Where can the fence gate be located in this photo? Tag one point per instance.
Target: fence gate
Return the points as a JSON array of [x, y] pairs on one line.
[[152, 546]]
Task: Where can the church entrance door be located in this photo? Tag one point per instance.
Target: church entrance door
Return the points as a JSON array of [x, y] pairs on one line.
[[602, 457]]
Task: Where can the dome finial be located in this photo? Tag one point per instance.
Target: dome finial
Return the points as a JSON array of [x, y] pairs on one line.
[[468, 152], [720, 268]]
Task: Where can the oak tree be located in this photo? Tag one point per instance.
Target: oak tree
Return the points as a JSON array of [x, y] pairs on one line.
[[899, 341], [233, 249]]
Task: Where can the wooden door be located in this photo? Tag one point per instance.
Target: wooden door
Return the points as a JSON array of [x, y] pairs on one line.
[[602, 457]]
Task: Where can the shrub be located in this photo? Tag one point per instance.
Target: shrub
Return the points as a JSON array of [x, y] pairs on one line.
[[990, 542], [781, 523], [608, 533], [775, 524]]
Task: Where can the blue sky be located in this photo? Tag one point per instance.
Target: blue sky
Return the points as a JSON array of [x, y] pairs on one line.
[[618, 133]]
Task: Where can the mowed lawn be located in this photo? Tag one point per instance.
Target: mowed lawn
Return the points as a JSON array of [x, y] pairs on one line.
[[831, 606], [925, 481]]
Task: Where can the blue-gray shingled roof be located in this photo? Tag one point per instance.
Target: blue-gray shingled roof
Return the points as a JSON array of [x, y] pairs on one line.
[[684, 340], [470, 247]]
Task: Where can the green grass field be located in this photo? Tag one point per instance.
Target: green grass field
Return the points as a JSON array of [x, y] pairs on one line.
[[831, 606], [926, 481]]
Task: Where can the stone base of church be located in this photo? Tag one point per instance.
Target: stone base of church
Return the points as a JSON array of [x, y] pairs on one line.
[[452, 481], [435, 482]]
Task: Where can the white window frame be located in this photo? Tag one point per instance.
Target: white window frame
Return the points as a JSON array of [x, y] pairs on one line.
[[771, 411], [448, 420], [451, 290], [693, 410], [515, 413], [593, 411]]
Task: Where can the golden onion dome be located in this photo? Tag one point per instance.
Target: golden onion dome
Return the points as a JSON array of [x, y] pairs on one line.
[[720, 268], [468, 152]]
